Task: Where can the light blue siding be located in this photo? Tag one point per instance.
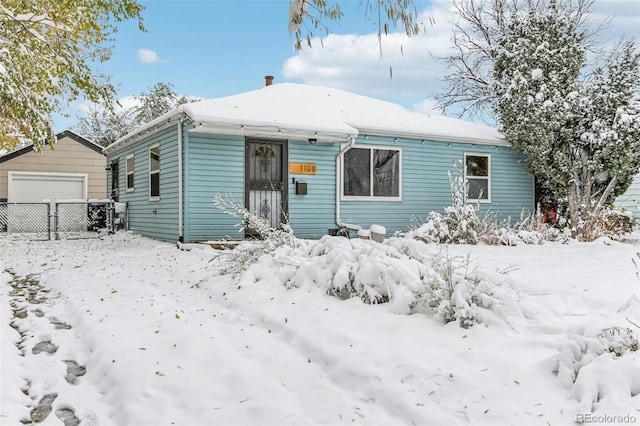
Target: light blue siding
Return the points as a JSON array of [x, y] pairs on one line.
[[426, 188], [156, 219], [214, 164], [313, 214], [630, 200]]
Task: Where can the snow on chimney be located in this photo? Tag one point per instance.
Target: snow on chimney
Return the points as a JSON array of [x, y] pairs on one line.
[[268, 80]]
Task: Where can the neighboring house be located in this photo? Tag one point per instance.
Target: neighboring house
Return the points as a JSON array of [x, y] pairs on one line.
[[318, 158], [73, 169], [630, 200]]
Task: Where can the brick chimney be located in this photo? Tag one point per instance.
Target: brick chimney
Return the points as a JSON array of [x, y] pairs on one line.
[[268, 80]]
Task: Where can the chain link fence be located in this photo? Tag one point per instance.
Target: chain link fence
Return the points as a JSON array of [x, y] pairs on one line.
[[61, 220], [26, 220]]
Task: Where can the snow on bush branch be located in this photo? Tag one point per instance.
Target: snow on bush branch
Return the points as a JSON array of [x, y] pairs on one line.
[[461, 223], [398, 271], [248, 253]]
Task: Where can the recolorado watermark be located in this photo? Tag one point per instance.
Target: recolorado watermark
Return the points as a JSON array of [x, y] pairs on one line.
[[606, 418]]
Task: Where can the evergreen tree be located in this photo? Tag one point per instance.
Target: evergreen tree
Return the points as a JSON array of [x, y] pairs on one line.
[[580, 135]]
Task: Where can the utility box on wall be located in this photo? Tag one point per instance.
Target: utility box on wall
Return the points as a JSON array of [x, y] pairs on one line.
[[301, 188]]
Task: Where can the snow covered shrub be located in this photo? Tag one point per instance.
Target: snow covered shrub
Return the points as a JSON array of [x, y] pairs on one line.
[[530, 229], [458, 224], [494, 233], [612, 223], [456, 292], [246, 254], [576, 353], [373, 272], [618, 340], [596, 370], [461, 224]]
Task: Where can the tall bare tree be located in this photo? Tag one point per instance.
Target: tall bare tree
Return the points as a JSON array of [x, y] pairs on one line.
[[106, 124], [477, 26]]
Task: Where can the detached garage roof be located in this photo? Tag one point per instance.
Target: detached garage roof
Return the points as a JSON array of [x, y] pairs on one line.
[[290, 110], [66, 133]]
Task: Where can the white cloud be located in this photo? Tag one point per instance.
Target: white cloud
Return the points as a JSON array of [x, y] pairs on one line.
[[402, 68], [148, 56], [624, 14], [127, 103], [123, 103], [354, 62], [427, 106]]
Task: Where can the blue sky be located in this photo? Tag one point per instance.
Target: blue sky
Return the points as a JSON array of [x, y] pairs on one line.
[[214, 48]]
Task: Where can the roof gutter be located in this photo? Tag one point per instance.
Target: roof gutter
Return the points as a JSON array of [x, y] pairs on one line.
[[273, 131], [339, 174], [154, 126], [499, 141]]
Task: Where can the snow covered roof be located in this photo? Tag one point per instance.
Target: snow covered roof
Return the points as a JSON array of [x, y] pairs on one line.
[[302, 111]]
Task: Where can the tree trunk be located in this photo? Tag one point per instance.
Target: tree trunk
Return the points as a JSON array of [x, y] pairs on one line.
[[596, 211]]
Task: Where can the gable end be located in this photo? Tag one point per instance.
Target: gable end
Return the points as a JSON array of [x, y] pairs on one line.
[[67, 133]]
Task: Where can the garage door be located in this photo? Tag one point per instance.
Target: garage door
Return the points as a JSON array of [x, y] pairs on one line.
[[36, 187], [31, 187]]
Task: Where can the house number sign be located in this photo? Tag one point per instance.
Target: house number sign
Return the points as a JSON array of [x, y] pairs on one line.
[[303, 168]]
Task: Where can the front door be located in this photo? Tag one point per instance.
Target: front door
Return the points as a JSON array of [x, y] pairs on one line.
[[266, 180]]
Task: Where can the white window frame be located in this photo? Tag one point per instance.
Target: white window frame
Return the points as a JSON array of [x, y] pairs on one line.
[[371, 197], [154, 172], [487, 178], [130, 172]]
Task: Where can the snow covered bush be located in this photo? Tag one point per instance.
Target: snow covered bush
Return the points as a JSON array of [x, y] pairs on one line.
[[450, 295], [458, 224], [618, 340], [579, 351], [599, 365], [400, 272], [530, 229], [461, 224], [457, 292], [374, 273], [607, 221], [598, 371], [248, 253]]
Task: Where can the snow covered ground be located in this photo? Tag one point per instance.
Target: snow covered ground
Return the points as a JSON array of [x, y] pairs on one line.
[[128, 331]]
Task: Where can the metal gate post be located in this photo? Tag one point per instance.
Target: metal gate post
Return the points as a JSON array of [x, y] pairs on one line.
[[49, 221], [55, 221], [110, 217]]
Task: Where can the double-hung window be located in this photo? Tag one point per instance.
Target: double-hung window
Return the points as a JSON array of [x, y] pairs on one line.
[[477, 175], [154, 172], [130, 172], [372, 173]]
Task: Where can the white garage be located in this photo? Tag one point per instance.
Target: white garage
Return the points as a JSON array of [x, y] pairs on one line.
[[34, 187], [74, 170]]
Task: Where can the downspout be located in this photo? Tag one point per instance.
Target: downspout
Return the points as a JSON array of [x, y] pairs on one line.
[[180, 156], [339, 222]]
